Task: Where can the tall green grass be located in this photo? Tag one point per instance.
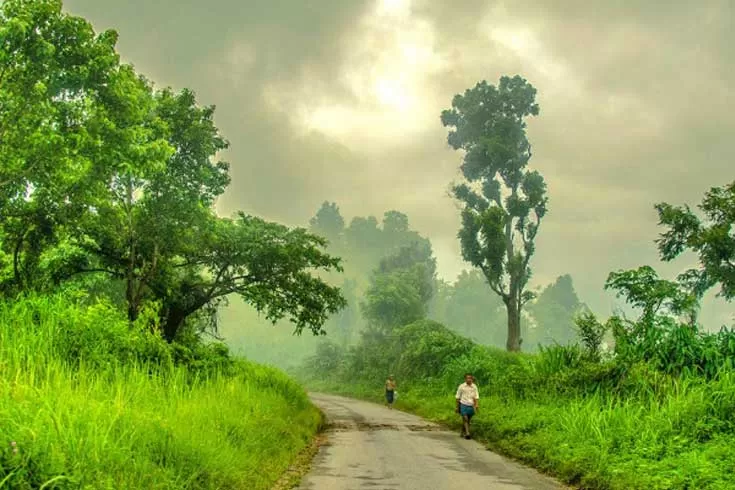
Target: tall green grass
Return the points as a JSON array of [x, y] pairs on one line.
[[88, 403], [593, 425]]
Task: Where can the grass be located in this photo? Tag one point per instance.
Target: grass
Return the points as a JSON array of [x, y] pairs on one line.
[[82, 419], [653, 433]]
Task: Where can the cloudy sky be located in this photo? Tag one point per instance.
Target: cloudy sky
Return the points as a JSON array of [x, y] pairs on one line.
[[340, 100]]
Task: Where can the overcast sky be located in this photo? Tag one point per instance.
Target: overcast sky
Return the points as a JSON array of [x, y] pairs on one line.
[[340, 99]]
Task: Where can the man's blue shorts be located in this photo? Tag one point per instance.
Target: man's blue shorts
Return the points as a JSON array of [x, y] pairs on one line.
[[466, 410], [389, 396]]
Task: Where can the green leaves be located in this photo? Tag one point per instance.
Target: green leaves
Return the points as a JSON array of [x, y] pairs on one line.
[[401, 287], [71, 119], [482, 238], [271, 266], [643, 289], [504, 203], [712, 239]]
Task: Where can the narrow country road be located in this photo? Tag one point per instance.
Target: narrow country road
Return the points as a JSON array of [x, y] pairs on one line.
[[371, 447]]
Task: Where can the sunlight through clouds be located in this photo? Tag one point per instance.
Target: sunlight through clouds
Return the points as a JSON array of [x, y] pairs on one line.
[[394, 7], [524, 44], [386, 69]]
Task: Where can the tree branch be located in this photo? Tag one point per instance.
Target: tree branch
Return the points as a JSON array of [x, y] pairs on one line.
[[94, 270], [497, 288]]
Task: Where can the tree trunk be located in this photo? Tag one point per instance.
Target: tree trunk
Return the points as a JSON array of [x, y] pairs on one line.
[[513, 343], [130, 289], [130, 296], [173, 321]]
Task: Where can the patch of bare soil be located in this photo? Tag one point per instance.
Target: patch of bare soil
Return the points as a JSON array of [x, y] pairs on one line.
[[340, 426], [424, 428], [366, 426]]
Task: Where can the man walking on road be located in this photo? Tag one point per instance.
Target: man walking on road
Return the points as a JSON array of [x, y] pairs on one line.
[[467, 396]]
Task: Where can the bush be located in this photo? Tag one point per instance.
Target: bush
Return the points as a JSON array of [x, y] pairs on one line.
[[427, 347], [591, 332]]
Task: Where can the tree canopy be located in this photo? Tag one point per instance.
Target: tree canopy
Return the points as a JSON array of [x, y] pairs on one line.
[[712, 238], [504, 202], [401, 287]]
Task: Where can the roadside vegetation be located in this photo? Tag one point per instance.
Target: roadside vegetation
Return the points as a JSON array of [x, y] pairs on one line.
[[86, 401], [113, 265]]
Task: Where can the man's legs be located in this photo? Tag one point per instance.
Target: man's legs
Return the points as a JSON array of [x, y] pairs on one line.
[[465, 425]]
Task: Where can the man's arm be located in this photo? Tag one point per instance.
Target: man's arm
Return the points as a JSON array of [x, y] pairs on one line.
[[477, 398]]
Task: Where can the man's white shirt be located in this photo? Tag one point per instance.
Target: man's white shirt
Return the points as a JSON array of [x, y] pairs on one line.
[[467, 394]]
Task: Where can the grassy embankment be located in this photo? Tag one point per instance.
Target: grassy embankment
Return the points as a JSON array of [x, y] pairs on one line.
[[86, 402], [595, 425]]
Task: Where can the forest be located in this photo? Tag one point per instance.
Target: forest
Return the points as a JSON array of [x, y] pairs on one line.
[[375, 255]]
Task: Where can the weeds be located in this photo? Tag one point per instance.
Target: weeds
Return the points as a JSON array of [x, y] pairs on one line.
[[86, 402]]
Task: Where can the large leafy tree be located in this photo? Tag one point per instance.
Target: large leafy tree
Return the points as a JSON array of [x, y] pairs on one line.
[[712, 238], [504, 202], [268, 265], [103, 174], [70, 118], [156, 231], [149, 215]]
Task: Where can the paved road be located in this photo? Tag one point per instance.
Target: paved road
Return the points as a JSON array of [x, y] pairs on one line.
[[371, 447]]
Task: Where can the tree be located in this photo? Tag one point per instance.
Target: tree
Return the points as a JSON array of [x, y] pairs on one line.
[[156, 231], [666, 334], [268, 265], [401, 287], [504, 202], [642, 288], [328, 222], [367, 242], [103, 174], [712, 239], [70, 118], [554, 311], [150, 216]]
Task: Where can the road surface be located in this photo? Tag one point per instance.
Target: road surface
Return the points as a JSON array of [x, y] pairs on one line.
[[371, 447]]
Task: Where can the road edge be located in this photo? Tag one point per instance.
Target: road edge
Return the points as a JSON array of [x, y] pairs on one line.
[[302, 463]]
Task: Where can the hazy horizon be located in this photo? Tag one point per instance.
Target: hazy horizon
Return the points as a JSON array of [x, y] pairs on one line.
[[340, 101]]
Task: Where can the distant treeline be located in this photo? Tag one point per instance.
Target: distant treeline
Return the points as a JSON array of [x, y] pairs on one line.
[[389, 268]]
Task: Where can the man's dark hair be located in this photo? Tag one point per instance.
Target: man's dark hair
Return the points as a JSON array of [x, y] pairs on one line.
[[468, 374]]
